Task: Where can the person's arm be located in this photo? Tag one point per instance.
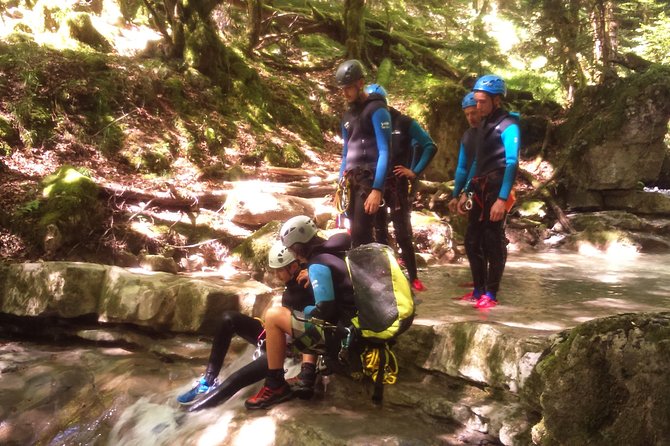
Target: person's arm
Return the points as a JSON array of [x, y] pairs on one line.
[[428, 148], [510, 138], [381, 122], [461, 174], [345, 138], [324, 293]]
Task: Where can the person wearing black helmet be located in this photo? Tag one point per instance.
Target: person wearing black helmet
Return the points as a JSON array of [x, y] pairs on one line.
[[412, 149], [496, 164], [366, 135]]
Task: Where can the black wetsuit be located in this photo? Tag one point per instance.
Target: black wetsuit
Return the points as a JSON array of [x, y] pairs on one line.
[[485, 241], [408, 138], [295, 297], [366, 131]]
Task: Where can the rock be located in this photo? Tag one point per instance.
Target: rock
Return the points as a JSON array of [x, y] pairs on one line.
[[155, 300], [606, 383], [615, 132], [152, 262], [638, 201], [255, 209]]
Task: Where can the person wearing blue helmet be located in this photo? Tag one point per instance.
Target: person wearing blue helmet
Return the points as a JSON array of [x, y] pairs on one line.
[[464, 169], [366, 135], [496, 163], [411, 151]]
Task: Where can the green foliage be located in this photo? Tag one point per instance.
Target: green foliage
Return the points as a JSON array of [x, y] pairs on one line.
[[655, 39], [82, 29]]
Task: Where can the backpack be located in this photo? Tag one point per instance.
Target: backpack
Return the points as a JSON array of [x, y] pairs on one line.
[[385, 305]]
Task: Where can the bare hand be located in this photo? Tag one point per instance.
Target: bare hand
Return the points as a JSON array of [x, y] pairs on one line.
[[303, 278], [453, 205], [402, 171], [497, 210], [461, 204], [373, 202]]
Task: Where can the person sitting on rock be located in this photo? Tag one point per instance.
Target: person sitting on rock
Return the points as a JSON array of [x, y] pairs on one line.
[[295, 297], [334, 305]]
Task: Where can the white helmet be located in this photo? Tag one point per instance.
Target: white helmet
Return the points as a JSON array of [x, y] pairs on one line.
[[298, 229], [279, 256]]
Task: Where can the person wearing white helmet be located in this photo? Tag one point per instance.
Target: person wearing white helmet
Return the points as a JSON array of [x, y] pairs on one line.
[[207, 392], [333, 305]]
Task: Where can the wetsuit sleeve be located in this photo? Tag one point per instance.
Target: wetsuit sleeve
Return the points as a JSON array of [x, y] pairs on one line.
[[461, 175], [381, 121], [345, 138], [510, 139], [428, 148], [324, 293]]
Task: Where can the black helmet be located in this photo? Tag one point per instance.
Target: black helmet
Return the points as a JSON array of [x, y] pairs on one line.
[[349, 71]]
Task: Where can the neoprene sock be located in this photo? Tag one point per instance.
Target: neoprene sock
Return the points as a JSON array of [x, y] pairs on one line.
[[275, 378], [476, 293], [491, 295]]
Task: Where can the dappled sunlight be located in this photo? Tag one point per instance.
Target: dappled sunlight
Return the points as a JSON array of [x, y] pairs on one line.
[[619, 304], [258, 432], [216, 432], [543, 326], [614, 253]]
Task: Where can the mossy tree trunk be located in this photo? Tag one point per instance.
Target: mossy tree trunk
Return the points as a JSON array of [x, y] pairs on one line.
[[355, 27], [254, 16], [189, 31]]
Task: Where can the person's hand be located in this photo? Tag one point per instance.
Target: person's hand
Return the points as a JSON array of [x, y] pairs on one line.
[[402, 171], [453, 205], [373, 201], [303, 278], [497, 210], [461, 205]]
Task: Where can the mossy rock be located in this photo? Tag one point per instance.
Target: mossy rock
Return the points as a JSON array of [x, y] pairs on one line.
[[254, 250], [532, 209], [82, 30], [70, 202]]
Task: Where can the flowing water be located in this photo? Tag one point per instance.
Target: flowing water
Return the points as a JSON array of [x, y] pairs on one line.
[[74, 394]]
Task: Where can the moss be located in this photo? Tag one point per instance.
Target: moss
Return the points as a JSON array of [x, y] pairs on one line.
[[461, 339], [532, 209], [254, 250], [70, 202], [82, 30]]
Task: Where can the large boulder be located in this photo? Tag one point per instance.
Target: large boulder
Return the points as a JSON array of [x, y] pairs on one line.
[[614, 133], [606, 383]]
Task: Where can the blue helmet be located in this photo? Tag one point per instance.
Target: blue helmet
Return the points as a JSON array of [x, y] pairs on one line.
[[468, 101], [491, 84], [376, 88]]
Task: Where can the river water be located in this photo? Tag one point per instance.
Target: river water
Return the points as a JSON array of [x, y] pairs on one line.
[[552, 291], [72, 394]]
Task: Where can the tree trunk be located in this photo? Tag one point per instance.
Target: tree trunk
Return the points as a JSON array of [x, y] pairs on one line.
[[355, 27], [255, 13], [604, 36]]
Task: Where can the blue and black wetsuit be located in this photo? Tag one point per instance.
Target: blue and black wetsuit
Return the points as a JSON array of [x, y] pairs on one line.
[[294, 297], [329, 276], [466, 157], [496, 163], [366, 132], [413, 148]]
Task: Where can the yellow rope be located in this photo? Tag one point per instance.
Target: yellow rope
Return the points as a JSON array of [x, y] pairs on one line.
[[370, 361]]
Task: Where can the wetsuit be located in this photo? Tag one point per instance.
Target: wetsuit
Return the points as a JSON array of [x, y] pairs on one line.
[[295, 297], [496, 162], [366, 132], [333, 297], [413, 148]]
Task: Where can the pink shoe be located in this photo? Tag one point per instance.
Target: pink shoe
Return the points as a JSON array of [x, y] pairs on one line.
[[467, 296], [417, 285], [485, 302]]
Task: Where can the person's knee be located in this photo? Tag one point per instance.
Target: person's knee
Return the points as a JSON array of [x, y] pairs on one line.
[[277, 316]]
